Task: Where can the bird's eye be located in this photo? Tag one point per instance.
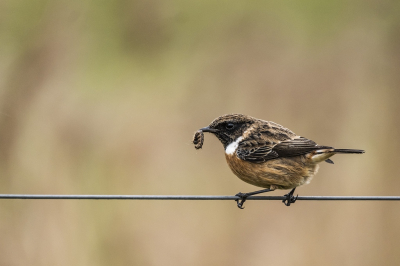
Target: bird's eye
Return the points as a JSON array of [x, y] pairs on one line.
[[230, 126]]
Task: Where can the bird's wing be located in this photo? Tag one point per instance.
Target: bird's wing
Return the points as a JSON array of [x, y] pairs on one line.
[[261, 150]]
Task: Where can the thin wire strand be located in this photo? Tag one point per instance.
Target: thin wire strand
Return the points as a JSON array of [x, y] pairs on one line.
[[188, 197]]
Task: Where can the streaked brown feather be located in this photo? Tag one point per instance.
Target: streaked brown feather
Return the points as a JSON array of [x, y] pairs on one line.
[[268, 142]]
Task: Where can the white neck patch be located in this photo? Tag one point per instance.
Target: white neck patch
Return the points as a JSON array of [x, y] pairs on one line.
[[231, 148]]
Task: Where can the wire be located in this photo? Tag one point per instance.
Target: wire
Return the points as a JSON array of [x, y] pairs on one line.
[[189, 197]]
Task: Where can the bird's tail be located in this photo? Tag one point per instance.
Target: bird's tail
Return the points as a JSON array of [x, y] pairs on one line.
[[348, 151]]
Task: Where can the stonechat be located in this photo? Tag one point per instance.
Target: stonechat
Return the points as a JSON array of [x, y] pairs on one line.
[[267, 155]]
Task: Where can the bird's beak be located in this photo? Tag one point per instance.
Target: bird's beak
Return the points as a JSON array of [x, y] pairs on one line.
[[207, 129]]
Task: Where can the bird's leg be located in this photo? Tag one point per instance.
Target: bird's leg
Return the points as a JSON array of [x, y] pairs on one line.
[[243, 196], [290, 198]]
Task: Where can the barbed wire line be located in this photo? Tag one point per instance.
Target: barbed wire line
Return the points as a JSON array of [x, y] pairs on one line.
[[190, 197]]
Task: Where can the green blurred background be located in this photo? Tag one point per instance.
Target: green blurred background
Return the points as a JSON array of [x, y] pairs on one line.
[[103, 97]]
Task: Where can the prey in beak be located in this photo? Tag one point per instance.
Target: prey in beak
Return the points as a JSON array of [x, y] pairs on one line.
[[198, 137]]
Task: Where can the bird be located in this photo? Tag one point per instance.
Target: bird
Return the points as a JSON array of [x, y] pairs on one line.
[[267, 155]]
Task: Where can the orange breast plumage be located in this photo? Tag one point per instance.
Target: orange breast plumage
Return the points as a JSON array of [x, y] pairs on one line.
[[282, 173]]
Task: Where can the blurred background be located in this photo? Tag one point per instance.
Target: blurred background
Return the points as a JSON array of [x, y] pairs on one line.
[[103, 97]]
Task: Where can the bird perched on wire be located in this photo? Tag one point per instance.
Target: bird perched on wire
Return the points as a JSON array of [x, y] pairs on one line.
[[267, 155]]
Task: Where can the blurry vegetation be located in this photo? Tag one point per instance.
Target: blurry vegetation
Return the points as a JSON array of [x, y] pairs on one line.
[[103, 97]]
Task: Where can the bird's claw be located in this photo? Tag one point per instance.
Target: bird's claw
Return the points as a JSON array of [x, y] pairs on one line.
[[289, 198], [242, 198]]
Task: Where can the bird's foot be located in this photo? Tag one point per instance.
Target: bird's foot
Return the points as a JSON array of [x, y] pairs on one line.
[[290, 198], [242, 198]]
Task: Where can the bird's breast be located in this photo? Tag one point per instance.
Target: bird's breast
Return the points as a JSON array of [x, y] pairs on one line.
[[281, 173]]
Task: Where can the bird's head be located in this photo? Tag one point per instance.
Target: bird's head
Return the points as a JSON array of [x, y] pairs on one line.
[[228, 128]]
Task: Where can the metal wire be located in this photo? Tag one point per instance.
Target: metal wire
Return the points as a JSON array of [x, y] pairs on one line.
[[189, 197]]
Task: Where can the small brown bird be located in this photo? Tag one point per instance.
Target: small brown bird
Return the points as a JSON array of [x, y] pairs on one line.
[[265, 154]]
